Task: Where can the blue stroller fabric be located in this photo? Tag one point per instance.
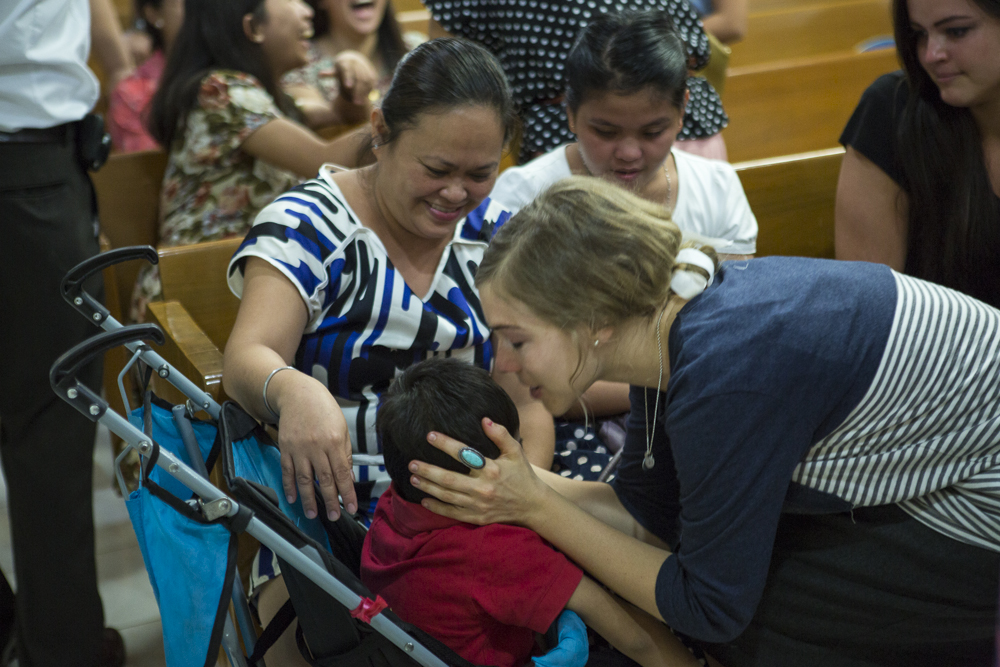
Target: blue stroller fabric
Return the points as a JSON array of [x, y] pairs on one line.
[[260, 463], [190, 562]]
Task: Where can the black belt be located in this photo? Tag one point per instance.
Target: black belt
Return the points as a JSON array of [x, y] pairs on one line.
[[32, 135]]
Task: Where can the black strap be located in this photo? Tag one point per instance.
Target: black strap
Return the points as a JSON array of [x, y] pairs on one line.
[[281, 621], [222, 612]]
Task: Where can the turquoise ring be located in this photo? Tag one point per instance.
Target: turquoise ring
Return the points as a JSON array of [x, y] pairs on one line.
[[472, 458]]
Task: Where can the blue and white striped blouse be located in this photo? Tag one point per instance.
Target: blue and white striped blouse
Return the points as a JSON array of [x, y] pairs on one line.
[[365, 323]]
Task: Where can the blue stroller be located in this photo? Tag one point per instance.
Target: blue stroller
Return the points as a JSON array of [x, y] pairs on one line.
[[188, 527]]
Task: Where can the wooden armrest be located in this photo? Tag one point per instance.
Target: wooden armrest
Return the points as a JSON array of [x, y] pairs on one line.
[[188, 349]]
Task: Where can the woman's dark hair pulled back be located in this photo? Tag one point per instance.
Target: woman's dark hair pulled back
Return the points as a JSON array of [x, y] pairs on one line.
[[445, 74], [391, 47], [211, 38], [625, 52], [952, 210]]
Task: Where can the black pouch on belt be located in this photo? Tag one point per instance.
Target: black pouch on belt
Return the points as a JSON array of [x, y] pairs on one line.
[[92, 142]]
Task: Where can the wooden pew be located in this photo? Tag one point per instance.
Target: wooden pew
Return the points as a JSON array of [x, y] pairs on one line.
[[758, 6], [793, 199], [796, 106], [401, 6], [128, 206], [197, 313], [811, 30], [417, 20]]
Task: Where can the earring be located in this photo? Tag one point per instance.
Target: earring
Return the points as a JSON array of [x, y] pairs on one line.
[[596, 342]]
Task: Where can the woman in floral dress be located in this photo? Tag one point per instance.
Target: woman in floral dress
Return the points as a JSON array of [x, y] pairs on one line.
[[234, 138]]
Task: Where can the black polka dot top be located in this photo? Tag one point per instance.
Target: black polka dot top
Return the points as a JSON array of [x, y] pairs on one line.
[[532, 39]]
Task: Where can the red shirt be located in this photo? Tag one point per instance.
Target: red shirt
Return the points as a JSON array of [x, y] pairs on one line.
[[482, 590], [128, 106]]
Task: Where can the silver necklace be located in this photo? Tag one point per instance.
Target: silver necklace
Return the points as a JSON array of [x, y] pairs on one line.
[[648, 461]]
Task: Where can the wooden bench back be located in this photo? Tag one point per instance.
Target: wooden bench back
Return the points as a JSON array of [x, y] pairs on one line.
[[128, 205], [758, 6], [417, 20], [811, 30], [195, 276], [793, 199], [403, 6], [796, 106]]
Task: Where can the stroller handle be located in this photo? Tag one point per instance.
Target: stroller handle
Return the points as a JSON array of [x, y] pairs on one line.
[[63, 374], [72, 283]]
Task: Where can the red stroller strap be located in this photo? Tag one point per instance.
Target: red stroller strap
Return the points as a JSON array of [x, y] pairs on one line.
[[368, 609]]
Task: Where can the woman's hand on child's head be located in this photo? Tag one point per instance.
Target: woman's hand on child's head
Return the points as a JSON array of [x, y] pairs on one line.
[[357, 77], [505, 490], [315, 445]]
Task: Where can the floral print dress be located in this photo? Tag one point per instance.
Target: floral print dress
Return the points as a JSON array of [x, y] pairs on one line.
[[211, 188]]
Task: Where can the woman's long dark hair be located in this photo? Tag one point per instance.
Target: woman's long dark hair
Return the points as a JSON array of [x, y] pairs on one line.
[[953, 213], [210, 38], [625, 52], [389, 45]]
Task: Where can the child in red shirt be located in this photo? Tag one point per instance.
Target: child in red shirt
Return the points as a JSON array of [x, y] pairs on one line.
[[481, 590]]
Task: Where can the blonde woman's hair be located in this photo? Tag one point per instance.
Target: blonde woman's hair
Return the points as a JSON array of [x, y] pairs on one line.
[[586, 253]]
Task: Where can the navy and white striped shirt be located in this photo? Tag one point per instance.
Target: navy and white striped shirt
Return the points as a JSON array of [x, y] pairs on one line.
[[811, 386], [365, 324]]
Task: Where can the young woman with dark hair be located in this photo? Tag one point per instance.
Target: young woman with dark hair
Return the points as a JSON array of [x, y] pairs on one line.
[[348, 28], [233, 136], [920, 181], [355, 274]]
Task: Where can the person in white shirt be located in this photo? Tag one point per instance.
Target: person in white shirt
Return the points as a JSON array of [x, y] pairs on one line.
[[626, 95], [47, 226]]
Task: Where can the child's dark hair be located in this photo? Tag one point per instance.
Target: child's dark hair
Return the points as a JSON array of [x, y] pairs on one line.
[[625, 52], [444, 395]]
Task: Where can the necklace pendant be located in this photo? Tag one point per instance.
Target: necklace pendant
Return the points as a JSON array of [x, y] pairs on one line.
[[648, 462]]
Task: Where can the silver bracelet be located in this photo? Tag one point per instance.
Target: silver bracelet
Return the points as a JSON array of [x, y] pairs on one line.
[[267, 382]]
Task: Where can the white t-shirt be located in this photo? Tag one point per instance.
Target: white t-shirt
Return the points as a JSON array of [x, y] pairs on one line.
[[44, 80], [710, 198]]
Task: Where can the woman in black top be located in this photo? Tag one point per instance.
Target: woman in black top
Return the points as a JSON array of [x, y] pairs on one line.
[[920, 181], [532, 40]]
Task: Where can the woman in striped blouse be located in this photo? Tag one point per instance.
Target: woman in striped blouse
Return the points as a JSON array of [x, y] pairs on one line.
[[811, 474], [354, 275]]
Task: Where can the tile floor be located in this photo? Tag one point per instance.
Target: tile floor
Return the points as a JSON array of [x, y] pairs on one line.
[[129, 604]]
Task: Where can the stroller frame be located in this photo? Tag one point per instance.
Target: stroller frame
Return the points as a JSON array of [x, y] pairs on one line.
[[216, 505]]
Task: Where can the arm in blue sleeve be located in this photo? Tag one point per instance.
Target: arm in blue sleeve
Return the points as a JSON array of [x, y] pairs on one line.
[[734, 454]]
